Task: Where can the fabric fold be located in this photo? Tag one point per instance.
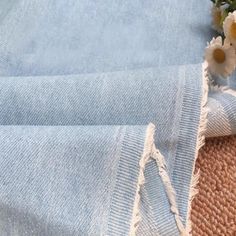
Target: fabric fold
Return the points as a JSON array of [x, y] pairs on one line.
[[57, 100], [69, 180], [80, 83], [167, 98], [102, 180], [222, 110]]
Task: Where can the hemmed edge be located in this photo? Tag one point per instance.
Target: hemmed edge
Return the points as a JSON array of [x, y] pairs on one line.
[[200, 143], [146, 156]]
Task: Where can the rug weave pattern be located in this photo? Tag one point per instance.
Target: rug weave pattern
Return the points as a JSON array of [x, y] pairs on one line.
[[214, 208]]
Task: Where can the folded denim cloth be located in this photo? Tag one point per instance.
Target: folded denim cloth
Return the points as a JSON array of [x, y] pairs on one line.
[[64, 180], [80, 83], [167, 98], [222, 111]]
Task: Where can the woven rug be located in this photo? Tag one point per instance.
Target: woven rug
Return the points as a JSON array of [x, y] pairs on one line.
[[214, 208]]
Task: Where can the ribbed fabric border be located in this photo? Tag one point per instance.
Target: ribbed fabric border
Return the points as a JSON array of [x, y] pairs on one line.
[[123, 198], [189, 137], [228, 103], [225, 118], [183, 165]]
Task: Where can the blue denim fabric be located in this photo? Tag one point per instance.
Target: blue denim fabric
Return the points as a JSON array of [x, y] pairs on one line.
[[48, 37], [52, 185], [222, 118], [79, 83], [165, 98], [221, 103]]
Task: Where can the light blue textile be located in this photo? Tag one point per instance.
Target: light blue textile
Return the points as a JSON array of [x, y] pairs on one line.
[[52, 185], [79, 83], [222, 105], [51, 37], [119, 98]]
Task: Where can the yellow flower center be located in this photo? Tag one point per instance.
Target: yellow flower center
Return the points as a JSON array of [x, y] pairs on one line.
[[233, 30], [219, 55]]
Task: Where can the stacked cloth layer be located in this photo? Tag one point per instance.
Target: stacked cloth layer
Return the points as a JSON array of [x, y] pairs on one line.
[[103, 108]]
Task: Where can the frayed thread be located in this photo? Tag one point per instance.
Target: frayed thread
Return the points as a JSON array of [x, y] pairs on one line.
[[160, 160], [200, 142], [146, 156], [151, 152]]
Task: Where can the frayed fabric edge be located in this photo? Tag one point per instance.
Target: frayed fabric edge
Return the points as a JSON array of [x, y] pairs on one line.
[[169, 189], [221, 88], [200, 143], [146, 156], [151, 152]]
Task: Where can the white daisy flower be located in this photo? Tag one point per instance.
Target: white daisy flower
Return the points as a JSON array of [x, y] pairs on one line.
[[229, 27], [221, 58], [217, 15]]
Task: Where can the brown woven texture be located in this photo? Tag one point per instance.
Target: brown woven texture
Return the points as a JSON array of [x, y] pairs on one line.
[[214, 208]]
